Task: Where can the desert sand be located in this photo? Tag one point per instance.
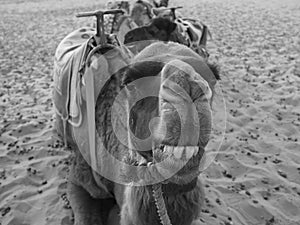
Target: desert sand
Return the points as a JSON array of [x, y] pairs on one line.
[[255, 178]]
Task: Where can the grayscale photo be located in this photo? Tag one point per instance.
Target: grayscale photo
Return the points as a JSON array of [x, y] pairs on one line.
[[149, 112]]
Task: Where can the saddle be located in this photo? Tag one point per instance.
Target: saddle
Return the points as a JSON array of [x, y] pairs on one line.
[[68, 69]]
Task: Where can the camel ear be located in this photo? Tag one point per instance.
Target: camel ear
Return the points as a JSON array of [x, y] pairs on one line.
[[203, 39]]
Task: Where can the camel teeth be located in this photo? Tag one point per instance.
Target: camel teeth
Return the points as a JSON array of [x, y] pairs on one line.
[[178, 152], [189, 151]]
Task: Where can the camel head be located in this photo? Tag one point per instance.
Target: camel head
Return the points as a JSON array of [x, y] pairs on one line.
[[141, 12], [169, 114], [158, 29], [157, 110]]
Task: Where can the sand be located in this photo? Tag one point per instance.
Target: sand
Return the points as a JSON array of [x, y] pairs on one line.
[[255, 178]]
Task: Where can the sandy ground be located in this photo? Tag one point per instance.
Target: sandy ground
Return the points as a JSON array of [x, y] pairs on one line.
[[254, 180]]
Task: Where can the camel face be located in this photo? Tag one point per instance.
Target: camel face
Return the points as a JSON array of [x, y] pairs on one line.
[[169, 113], [141, 13], [164, 112]]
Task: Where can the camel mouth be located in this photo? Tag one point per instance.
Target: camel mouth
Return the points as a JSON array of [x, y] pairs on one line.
[[188, 157], [180, 162]]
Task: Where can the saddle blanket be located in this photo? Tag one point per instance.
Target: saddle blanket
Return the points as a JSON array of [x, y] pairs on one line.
[[69, 59]]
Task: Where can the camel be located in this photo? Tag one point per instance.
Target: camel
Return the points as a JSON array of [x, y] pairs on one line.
[[152, 121], [139, 15], [164, 29]]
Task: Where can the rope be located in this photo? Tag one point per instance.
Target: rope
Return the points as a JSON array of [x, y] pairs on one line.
[[160, 204], [158, 193]]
